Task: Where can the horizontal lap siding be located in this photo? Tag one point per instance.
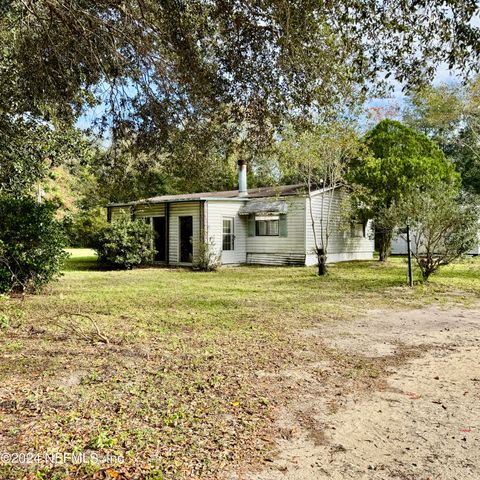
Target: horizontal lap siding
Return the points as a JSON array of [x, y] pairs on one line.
[[141, 211], [341, 245], [276, 259], [216, 211], [150, 210], [177, 210], [289, 250]]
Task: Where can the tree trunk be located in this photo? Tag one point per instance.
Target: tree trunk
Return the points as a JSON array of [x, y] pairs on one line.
[[322, 262], [427, 267], [384, 244]]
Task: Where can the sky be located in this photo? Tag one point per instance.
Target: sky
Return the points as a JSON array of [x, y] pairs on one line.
[[443, 75], [398, 98]]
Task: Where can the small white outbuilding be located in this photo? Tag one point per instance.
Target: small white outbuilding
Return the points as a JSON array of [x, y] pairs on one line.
[[399, 245]]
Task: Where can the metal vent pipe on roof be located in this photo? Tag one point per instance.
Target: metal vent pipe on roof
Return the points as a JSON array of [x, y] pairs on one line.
[[242, 177]]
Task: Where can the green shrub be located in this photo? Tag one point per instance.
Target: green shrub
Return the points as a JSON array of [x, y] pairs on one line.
[[31, 244], [125, 244], [443, 227], [82, 227], [207, 258]]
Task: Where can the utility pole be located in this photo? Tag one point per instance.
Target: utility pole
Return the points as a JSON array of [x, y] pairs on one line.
[[409, 254]]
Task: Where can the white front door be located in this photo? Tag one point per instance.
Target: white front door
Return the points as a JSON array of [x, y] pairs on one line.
[[228, 240]]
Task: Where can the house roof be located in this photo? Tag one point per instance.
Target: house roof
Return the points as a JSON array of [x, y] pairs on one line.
[[262, 192]]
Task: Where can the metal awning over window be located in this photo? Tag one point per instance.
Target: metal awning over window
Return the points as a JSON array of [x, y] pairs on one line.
[[262, 207]]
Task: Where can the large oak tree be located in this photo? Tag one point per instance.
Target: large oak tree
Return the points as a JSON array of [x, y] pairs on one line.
[[159, 66]]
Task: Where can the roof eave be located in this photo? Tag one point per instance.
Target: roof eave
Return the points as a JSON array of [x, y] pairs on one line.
[[251, 196]]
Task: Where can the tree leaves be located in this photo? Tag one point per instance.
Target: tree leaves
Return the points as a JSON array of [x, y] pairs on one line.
[[404, 163], [450, 116], [157, 67], [443, 228]]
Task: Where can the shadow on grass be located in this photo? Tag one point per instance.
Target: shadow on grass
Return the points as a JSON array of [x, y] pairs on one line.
[[360, 276], [84, 259]]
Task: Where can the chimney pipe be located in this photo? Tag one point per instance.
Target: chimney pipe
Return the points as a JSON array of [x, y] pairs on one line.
[[242, 177]]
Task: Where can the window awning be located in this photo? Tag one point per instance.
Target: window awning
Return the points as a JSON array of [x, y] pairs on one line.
[[262, 207]]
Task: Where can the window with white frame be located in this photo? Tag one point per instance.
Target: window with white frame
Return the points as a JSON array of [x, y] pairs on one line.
[[228, 240], [358, 230], [267, 226]]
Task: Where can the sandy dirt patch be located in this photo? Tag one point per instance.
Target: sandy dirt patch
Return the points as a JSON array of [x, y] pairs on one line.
[[419, 417]]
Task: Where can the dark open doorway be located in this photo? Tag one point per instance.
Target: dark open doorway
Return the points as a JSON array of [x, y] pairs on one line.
[[160, 237], [186, 239]]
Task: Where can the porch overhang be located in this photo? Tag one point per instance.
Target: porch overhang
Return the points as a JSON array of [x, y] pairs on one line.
[[264, 207]]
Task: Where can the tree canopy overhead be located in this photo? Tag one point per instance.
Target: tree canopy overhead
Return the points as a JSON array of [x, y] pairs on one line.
[[163, 66]]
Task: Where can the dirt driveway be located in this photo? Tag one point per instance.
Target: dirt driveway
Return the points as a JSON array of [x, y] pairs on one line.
[[418, 418]]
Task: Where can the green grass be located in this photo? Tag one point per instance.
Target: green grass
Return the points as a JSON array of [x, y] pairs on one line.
[[170, 383], [81, 259]]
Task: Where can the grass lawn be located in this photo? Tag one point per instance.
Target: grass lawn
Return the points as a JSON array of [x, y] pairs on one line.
[[160, 366]]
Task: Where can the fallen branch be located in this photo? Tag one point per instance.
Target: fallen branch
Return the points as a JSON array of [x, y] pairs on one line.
[[93, 336]]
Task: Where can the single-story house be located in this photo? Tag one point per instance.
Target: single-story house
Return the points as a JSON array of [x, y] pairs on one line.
[[268, 225]]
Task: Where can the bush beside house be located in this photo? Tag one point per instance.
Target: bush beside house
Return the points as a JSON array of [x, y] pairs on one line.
[[125, 244]]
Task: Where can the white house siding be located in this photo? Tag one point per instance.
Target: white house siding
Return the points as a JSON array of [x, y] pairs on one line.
[[150, 210], [342, 246], [215, 212], [276, 258], [476, 249], [178, 210], [288, 250], [140, 211], [399, 245]]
